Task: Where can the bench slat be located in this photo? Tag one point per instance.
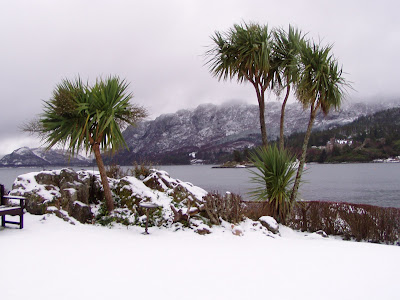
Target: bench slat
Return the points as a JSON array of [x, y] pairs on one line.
[[11, 210]]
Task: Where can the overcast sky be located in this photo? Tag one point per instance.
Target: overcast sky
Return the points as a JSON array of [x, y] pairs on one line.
[[158, 46]]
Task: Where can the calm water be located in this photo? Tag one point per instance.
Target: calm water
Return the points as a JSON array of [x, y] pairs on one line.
[[376, 184]]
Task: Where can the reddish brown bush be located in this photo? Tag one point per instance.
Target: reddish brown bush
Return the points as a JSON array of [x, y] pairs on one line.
[[228, 207], [353, 221], [256, 209]]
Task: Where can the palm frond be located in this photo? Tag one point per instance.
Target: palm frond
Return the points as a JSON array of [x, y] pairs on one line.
[[274, 178]]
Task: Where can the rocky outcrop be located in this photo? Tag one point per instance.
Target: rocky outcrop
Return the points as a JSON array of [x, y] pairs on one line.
[[60, 192], [76, 196]]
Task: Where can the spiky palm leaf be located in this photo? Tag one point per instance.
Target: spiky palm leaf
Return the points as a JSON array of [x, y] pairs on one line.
[[78, 115], [82, 117], [274, 179], [244, 52], [321, 86], [321, 82], [286, 58]]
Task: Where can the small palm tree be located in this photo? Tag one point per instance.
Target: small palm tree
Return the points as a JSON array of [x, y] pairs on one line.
[[81, 117], [286, 57], [244, 52], [320, 87], [275, 177]]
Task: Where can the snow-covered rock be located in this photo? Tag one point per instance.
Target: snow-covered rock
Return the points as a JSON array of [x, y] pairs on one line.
[[270, 223]]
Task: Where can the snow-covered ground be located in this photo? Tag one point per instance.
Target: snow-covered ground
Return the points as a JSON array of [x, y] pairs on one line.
[[52, 259]]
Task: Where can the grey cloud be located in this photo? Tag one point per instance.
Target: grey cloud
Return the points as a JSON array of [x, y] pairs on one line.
[[158, 46]]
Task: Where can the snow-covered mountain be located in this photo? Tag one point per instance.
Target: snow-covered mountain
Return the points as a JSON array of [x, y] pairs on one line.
[[40, 157], [226, 127], [204, 130]]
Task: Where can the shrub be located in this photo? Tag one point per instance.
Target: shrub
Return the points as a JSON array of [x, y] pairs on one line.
[[141, 171], [353, 221], [115, 171], [228, 207], [275, 178]]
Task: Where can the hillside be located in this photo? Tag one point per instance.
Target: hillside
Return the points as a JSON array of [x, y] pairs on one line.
[[27, 157], [211, 133], [370, 137]]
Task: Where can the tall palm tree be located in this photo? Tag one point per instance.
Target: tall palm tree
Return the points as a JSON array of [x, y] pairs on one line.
[[81, 117], [244, 52], [320, 87], [286, 52]]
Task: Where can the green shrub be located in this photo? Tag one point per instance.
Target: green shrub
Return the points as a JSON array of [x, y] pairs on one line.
[[275, 178]]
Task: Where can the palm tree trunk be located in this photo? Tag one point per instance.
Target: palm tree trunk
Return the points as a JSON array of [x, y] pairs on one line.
[[261, 108], [303, 154], [104, 178], [281, 128]]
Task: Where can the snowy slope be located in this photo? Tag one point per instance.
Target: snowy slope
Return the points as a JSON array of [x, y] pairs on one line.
[[227, 127], [55, 260], [41, 157]]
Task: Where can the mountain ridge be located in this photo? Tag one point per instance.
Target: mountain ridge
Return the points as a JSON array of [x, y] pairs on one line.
[[210, 128], [202, 133], [32, 157]]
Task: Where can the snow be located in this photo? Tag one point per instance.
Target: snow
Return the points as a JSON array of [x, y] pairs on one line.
[[55, 260], [22, 151], [270, 221], [28, 183]]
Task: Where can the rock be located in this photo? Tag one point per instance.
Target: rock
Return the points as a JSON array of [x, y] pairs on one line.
[[81, 212], [61, 190], [68, 178], [47, 178], [36, 204], [202, 230], [269, 223], [237, 230], [322, 233]]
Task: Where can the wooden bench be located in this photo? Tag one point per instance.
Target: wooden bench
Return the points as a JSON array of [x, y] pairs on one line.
[[7, 209]]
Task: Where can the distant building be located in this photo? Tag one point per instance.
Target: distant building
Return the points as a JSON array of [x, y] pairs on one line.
[[338, 143]]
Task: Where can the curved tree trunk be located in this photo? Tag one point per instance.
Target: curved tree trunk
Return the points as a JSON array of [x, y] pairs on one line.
[[282, 125], [261, 108], [104, 179], [303, 154]]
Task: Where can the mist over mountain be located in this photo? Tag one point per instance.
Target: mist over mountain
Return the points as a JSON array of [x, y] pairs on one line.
[[201, 133], [39, 157], [210, 128]]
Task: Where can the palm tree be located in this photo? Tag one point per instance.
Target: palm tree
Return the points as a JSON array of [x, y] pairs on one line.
[[244, 52], [81, 117], [320, 87], [274, 178], [286, 52]]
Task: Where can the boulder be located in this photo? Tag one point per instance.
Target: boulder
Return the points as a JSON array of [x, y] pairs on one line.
[[47, 178], [322, 233], [270, 223], [81, 212], [54, 191], [237, 230]]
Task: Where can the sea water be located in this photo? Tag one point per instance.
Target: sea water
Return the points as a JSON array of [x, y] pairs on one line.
[[368, 183]]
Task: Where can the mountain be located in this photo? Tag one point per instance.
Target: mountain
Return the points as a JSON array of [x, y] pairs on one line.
[[209, 130], [206, 133], [40, 157]]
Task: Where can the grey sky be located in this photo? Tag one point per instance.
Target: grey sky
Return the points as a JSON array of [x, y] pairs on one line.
[[158, 47]]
